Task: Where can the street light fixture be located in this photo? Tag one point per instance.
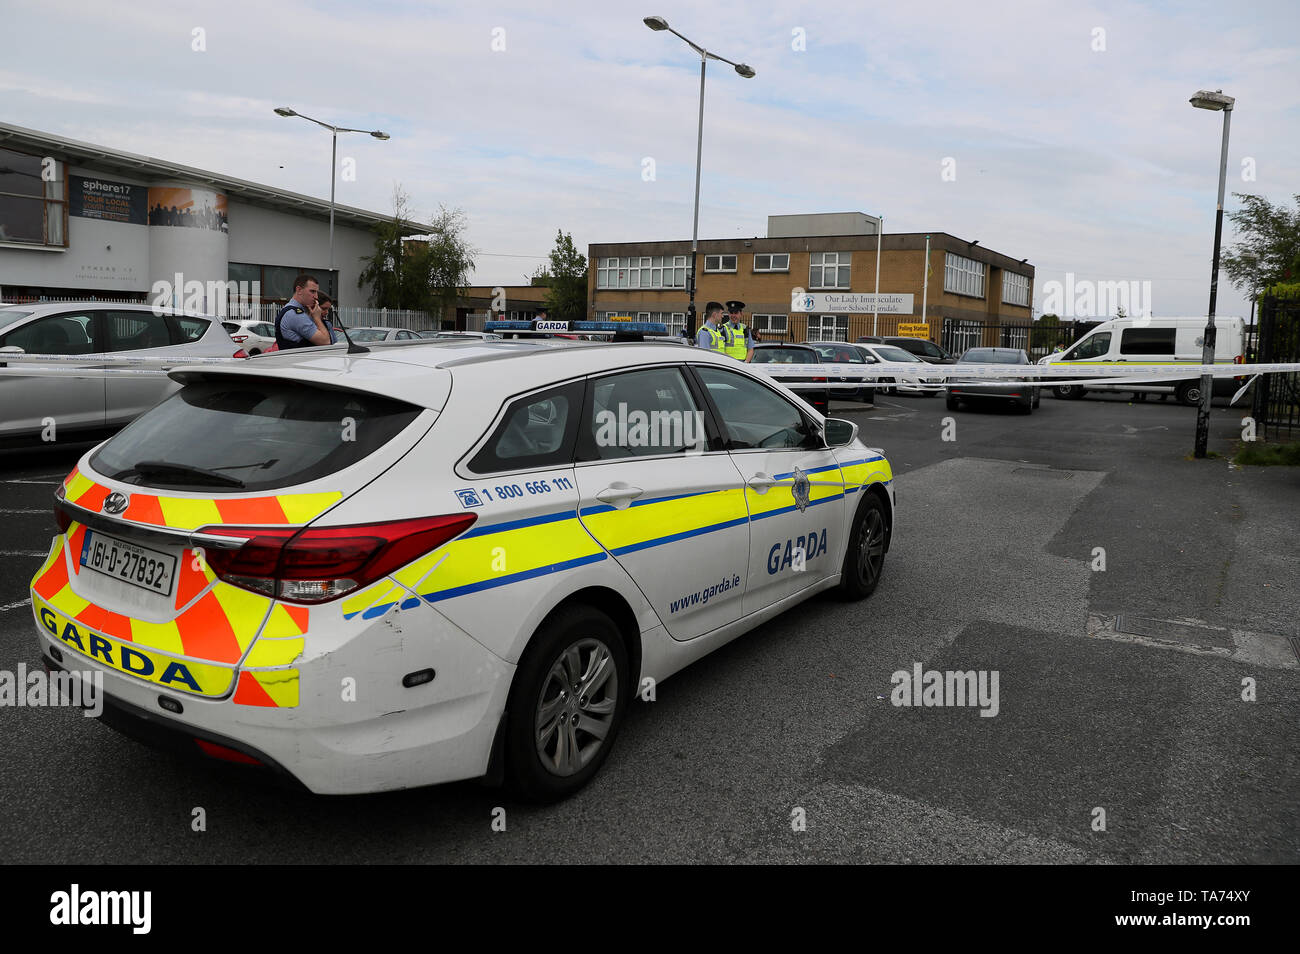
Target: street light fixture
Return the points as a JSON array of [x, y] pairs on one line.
[[658, 24], [1204, 99], [334, 147]]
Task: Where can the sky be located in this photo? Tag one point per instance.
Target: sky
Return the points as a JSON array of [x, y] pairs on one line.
[[1064, 128]]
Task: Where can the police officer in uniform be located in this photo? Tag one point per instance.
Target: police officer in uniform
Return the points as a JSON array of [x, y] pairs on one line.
[[299, 324], [741, 345], [711, 337]]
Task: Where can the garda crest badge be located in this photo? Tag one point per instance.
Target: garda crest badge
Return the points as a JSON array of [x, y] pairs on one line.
[[801, 489]]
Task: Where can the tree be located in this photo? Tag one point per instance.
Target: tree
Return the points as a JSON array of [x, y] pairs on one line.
[[540, 278], [426, 274], [1046, 332], [567, 298], [441, 268], [1268, 248], [383, 270]]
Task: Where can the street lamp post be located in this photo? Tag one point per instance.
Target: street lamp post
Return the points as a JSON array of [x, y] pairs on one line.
[[1217, 101], [334, 150], [659, 23]]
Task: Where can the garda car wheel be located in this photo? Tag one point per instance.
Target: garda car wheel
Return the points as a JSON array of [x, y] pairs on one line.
[[566, 705], [1189, 392], [864, 558], [1071, 391]]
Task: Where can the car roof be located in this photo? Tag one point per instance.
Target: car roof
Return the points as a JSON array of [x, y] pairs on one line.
[[420, 371], [783, 344], [40, 308]]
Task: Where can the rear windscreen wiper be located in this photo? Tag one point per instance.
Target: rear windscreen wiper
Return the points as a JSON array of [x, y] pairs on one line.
[[160, 468]]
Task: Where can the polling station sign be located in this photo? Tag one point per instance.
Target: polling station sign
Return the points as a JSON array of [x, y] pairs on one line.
[[90, 197], [856, 303]]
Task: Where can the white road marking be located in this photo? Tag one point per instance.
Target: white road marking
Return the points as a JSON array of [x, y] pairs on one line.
[[48, 482], [25, 553], [11, 606], [33, 510]]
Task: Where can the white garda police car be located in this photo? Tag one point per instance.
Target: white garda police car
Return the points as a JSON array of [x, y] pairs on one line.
[[444, 560]]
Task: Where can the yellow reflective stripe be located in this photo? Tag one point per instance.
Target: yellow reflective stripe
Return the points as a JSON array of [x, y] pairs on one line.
[[185, 513], [862, 474], [621, 528], [385, 591], [281, 685], [244, 611], [280, 624], [78, 486], [180, 675], [164, 636], [300, 508], [66, 601], [477, 559], [275, 652]]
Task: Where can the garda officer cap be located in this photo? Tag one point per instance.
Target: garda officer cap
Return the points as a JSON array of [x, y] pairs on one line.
[[735, 306]]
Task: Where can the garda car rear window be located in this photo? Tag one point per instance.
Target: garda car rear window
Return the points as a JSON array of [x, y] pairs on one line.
[[232, 435]]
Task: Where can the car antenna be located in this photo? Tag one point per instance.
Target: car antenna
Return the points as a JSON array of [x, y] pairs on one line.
[[353, 347]]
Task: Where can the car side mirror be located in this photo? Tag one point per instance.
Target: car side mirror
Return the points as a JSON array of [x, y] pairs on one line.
[[839, 432]]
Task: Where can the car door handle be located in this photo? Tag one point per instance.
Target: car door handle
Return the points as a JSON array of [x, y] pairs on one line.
[[762, 482], [616, 494]]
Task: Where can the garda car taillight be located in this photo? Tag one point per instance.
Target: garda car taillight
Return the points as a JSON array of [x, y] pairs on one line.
[[318, 564], [239, 337], [241, 353]]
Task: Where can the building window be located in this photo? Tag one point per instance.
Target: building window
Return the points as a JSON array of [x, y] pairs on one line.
[[776, 262], [1015, 289], [963, 276], [774, 325], [642, 271], [828, 327], [829, 270], [33, 200], [719, 263]]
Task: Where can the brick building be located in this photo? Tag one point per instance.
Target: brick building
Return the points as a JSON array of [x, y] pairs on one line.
[[975, 295]]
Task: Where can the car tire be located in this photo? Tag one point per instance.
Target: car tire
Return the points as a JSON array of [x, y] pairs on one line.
[[1068, 391], [1027, 407], [1038, 398], [864, 556], [953, 404], [575, 671], [1189, 393]]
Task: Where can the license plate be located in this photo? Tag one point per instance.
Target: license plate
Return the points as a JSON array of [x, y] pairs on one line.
[[148, 569]]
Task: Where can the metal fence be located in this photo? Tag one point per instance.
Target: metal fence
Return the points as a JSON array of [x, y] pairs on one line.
[[1276, 405]]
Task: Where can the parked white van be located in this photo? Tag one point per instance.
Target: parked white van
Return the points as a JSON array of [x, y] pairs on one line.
[[1152, 341]]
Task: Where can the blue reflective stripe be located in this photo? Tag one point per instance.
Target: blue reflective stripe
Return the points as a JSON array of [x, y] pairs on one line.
[[517, 524], [811, 503], [659, 541]]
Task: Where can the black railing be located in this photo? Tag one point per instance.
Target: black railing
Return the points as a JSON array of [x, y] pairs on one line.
[[1276, 405]]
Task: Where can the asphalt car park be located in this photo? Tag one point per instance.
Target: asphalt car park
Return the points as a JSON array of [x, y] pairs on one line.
[[993, 570]]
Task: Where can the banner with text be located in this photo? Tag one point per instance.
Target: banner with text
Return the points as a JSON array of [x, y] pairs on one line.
[[857, 303], [93, 198]]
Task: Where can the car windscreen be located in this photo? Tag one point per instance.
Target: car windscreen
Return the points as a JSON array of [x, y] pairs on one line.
[[785, 356], [890, 353], [257, 434], [990, 356], [839, 355], [9, 315], [368, 334]]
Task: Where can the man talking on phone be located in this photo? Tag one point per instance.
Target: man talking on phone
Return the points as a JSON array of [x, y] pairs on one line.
[[300, 323]]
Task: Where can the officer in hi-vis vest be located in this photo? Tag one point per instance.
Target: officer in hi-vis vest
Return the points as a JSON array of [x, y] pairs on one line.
[[711, 337], [741, 345]]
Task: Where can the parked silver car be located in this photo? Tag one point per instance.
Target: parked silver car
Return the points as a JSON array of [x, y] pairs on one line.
[[360, 335], [34, 396]]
